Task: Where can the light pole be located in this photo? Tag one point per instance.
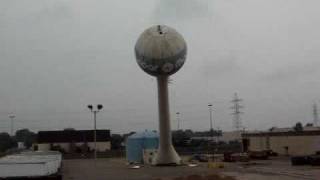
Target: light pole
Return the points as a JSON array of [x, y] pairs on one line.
[[178, 119], [12, 116], [210, 112], [95, 111]]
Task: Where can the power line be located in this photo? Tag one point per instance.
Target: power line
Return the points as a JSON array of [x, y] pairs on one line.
[[236, 112]]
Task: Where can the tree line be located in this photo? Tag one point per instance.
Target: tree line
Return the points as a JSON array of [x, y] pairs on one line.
[[8, 142]]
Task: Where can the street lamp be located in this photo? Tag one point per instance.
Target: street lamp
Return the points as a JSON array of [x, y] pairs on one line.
[[12, 116], [95, 111]]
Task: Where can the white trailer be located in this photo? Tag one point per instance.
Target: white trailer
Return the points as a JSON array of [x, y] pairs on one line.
[[30, 165]]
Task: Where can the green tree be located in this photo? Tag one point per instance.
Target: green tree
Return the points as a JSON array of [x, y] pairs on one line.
[[6, 142], [116, 141], [272, 128], [180, 138], [25, 136], [298, 127], [309, 125]]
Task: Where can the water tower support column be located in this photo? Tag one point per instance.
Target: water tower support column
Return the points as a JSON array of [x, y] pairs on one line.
[[166, 153]]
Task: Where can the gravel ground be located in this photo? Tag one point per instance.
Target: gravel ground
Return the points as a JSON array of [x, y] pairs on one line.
[[116, 169]]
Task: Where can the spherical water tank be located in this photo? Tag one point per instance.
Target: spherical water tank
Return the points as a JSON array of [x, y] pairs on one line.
[[160, 50]]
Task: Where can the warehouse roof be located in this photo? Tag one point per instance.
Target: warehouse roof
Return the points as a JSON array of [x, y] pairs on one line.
[[72, 136], [285, 133]]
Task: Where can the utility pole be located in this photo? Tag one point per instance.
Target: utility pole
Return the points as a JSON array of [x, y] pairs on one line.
[[12, 116], [315, 115], [236, 112]]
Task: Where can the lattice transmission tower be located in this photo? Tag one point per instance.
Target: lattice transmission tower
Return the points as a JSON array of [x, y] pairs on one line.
[[237, 124]]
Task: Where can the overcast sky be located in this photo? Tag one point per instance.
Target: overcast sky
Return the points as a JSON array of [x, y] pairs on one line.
[[57, 56]]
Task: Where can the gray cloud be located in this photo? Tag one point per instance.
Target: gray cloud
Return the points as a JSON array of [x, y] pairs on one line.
[[58, 56], [305, 70], [179, 10]]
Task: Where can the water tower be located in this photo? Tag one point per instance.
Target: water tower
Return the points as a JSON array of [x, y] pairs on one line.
[[161, 51]]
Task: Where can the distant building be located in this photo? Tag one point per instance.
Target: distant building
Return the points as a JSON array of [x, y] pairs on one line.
[[21, 145], [305, 128], [224, 137], [69, 141], [231, 136], [284, 141]]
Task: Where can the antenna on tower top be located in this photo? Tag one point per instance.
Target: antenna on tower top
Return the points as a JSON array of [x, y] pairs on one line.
[[236, 112], [315, 115]]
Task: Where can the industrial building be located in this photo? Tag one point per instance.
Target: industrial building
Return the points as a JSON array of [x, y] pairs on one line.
[[224, 137], [284, 141], [70, 141]]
